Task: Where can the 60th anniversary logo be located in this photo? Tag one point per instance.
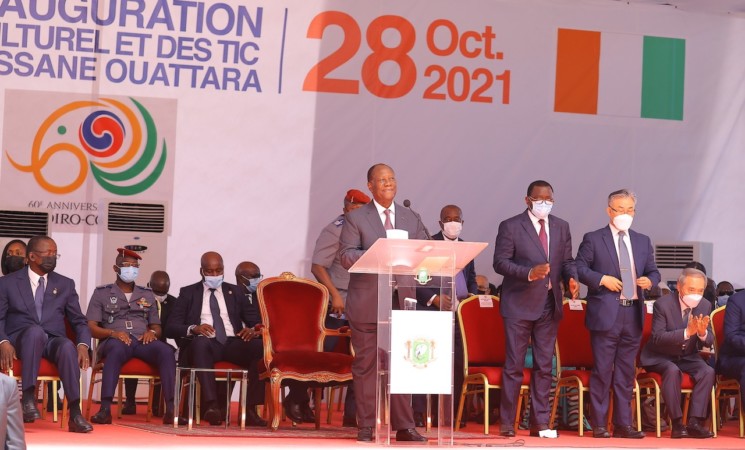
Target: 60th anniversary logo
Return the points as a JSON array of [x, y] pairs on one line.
[[66, 152]]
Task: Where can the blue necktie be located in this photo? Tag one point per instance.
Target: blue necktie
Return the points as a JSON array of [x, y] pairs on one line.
[[217, 324], [461, 290], [624, 262], [39, 297]]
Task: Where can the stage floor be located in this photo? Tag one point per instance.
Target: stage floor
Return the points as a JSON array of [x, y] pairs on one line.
[[132, 432]]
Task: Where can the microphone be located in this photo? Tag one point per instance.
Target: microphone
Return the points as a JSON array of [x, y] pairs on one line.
[[407, 204]]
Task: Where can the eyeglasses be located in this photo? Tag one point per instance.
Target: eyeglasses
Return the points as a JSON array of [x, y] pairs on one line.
[[129, 264], [548, 201], [630, 211], [45, 254]]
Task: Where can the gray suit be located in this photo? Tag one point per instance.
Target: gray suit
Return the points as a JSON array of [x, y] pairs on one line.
[[11, 424], [362, 228]]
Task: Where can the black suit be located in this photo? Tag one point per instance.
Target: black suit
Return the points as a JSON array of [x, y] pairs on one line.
[[731, 362], [668, 353], [204, 352], [34, 338]]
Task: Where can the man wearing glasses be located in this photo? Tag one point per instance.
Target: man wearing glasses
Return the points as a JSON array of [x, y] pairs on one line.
[[617, 264], [34, 304], [533, 252]]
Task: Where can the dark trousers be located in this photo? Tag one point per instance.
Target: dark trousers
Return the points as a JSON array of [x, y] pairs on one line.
[[34, 343], [364, 373], [734, 367], [614, 352], [672, 371], [156, 353], [205, 352], [517, 335]]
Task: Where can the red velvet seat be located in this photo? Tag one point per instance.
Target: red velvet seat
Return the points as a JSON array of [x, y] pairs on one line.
[[293, 311], [47, 373], [726, 388], [484, 354]]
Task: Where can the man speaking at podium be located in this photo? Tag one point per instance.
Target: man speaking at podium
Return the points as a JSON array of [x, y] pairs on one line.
[[363, 227]]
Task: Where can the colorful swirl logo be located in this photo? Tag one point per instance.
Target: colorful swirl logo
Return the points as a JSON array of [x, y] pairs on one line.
[[118, 166]]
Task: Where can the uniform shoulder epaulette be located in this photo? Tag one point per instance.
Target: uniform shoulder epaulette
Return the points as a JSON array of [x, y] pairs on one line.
[[339, 222], [104, 286]]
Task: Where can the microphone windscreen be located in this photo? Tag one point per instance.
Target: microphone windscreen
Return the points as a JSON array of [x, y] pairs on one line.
[[407, 203]]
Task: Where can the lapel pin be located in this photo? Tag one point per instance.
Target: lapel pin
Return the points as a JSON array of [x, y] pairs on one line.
[[230, 292], [54, 291]]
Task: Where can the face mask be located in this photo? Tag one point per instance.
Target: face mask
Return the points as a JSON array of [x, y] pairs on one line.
[[623, 222], [691, 300], [722, 300], [541, 210], [160, 298], [48, 263], [452, 229], [213, 282], [128, 274], [14, 263]]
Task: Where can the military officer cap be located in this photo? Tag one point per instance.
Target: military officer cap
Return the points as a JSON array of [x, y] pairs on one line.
[[356, 196], [128, 253]]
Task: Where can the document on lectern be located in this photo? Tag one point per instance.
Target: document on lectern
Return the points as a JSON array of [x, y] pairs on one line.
[[421, 352]]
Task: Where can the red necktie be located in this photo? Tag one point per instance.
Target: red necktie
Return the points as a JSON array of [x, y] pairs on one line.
[[543, 237], [388, 224]]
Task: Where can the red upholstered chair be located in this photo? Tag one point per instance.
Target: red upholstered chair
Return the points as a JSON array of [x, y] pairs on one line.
[[47, 373], [134, 368], [726, 388], [484, 354], [651, 382], [293, 311], [574, 360]]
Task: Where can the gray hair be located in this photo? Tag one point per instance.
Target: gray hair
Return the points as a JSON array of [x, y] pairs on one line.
[[691, 273], [621, 193]]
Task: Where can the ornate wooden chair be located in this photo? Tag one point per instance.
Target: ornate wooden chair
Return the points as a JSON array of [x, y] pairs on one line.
[[484, 354], [726, 388], [293, 311]]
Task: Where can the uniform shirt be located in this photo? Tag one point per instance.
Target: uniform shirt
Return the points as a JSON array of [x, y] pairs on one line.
[[326, 253], [206, 315], [112, 310]]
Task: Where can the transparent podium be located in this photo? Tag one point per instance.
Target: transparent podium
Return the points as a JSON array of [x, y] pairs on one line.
[[415, 347]]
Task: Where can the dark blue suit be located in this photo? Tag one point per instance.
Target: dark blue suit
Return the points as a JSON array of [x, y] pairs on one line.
[[615, 330], [531, 310], [731, 362], [34, 339]]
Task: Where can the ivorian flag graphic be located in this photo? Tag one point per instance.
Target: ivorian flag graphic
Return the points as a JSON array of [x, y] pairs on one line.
[[619, 74]]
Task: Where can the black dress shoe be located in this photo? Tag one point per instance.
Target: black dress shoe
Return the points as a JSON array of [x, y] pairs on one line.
[[418, 419], [365, 434], [600, 432], [213, 416], [168, 419], [253, 419], [30, 411], [129, 409], [293, 411], [103, 416], [307, 413], [409, 435], [627, 432], [77, 424], [696, 430], [679, 432], [349, 422], [507, 432]]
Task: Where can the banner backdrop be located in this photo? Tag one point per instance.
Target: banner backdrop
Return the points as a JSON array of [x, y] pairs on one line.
[[269, 111]]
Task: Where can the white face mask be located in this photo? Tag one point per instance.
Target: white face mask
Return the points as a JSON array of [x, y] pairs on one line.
[[623, 221], [541, 210], [692, 300], [452, 229]]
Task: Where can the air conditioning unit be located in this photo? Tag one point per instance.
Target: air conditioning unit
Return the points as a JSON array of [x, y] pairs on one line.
[[671, 257], [141, 227], [22, 225]]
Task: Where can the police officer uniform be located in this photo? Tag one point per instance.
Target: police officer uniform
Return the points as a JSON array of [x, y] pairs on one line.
[[130, 313], [326, 254]]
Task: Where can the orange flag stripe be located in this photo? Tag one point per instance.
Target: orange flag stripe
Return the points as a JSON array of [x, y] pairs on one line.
[[577, 71]]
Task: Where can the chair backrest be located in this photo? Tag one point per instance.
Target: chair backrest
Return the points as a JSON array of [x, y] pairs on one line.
[[646, 333], [293, 311], [482, 329], [717, 324], [573, 339]]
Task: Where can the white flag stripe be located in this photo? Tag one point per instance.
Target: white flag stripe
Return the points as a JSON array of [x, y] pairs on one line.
[[620, 87]]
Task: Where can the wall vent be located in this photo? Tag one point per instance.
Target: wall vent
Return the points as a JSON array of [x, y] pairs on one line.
[[23, 224], [137, 217]]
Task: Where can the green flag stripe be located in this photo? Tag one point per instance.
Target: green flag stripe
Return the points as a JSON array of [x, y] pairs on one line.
[[663, 76]]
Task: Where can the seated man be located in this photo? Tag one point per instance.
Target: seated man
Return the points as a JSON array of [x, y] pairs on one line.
[[680, 328], [124, 317], [34, 305], [731, 362], [218, 322]]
